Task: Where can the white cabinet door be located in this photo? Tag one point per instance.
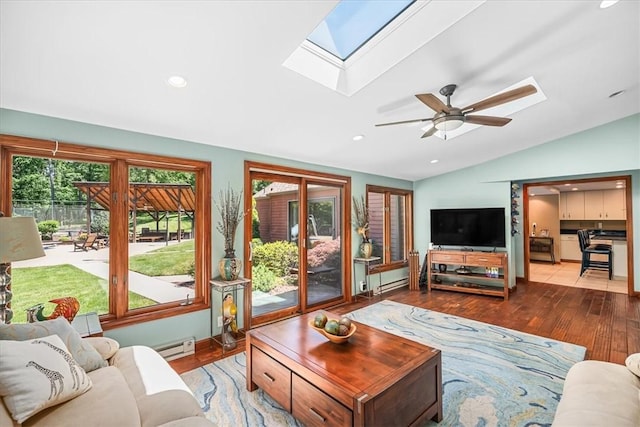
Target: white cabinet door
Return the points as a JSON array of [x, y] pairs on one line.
[[570, 248], [614, 205], [563, 206], [620, 258], [575, 205], [593, 205]]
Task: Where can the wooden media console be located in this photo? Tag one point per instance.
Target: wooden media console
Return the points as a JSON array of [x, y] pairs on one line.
[[467, 271]]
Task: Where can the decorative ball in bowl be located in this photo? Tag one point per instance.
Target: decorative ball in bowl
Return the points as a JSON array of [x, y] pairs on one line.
[[336, 331]]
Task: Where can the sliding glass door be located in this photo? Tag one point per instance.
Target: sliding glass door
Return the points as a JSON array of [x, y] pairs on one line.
[[296, 258]]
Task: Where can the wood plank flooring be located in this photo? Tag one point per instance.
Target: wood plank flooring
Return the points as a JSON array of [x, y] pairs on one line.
[[606, 323]]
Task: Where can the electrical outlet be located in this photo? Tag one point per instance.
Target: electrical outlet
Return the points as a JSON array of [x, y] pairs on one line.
[[363, 286], [219, 321]]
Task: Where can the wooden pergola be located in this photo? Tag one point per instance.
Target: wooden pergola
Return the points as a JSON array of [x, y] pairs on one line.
[[156, 200]]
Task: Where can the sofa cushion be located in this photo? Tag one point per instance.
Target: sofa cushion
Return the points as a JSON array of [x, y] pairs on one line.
[[37, 374], [599, 394], [146, 371], [167, 406], [188, 422], [107, 347], [633, 363], [109, 403], [82, 352], [161, 395]]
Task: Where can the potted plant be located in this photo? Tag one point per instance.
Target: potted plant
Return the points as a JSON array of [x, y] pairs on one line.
[[361, 224], [231, 214]]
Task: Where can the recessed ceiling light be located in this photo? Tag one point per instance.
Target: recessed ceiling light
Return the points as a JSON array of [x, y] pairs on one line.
[[532, 194], [177, 81], [619, 182], [607, 3], [574, 189], [358, 137], [619, 186], [567, 184], [614, 94], [434, 161]]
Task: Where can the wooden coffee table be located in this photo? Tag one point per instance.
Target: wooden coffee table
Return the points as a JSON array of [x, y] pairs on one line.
[[375, 379]]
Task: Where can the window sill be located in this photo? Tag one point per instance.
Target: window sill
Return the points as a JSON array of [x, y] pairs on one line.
[[149, 314]]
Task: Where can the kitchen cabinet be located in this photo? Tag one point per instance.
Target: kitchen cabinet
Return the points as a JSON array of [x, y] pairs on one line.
[[620, 258], [570, 248], [593, 205], [604, 204], [614, 204], [572, 205]]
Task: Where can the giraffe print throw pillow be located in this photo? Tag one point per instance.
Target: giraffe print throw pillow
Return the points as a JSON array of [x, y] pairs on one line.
[[37, 374]]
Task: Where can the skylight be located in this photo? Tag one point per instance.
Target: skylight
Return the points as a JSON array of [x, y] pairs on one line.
[[352, 23]]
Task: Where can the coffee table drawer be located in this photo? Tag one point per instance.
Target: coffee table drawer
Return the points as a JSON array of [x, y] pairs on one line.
[[272, 377], [315, 408]]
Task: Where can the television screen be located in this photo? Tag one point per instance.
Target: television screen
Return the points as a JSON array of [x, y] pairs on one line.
[[468, 227]]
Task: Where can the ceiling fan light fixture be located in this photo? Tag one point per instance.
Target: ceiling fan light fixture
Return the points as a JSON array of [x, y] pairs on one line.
[[448, 123]]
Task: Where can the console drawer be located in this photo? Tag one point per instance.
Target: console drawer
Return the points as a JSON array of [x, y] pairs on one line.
[[315, 408], [445, 258], [484, 260], [272, 377]]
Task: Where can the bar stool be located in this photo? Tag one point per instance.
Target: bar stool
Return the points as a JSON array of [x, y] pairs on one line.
[[588, 249]]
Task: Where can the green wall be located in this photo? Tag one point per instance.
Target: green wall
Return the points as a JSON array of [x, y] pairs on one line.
[[611, 149], [227, 167]]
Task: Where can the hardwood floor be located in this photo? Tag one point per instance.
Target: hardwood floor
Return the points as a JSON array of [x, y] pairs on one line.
[[606, 323]]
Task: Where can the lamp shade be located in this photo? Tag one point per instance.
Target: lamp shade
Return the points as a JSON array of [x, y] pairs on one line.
[[19, 239]]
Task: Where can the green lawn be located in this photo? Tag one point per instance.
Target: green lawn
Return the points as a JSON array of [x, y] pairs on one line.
[[34, 285], [145, 221], [166, 261]]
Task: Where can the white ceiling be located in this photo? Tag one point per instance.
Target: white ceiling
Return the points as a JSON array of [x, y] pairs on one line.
[[107, 63]]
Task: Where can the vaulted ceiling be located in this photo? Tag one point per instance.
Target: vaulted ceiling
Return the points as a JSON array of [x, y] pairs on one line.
[[106, 63]]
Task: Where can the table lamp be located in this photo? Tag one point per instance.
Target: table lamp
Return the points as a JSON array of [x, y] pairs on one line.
[[19, 240]]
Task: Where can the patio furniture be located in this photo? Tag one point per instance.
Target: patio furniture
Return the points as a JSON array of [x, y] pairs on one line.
[[89, 243]]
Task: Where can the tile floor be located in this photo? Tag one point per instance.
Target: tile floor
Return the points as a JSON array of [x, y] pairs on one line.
[[568, 274]]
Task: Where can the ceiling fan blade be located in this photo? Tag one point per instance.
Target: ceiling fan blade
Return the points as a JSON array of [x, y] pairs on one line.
[[430, 132], [487, 120], [403, 122], [501, 98], [433, 102]]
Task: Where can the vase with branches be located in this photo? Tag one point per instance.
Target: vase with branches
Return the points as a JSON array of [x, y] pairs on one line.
[[361, 224], [229, 206]]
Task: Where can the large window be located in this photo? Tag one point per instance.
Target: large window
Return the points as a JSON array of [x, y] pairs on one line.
[[126, 234], [391, 219]]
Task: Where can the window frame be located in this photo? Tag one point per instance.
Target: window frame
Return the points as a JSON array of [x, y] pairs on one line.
[[385, 263], [120, 161]]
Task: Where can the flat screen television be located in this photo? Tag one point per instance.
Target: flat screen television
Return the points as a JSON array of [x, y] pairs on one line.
[[468, 227]]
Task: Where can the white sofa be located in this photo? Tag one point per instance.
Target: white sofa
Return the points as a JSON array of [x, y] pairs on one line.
[[601, 394], [129, 386]]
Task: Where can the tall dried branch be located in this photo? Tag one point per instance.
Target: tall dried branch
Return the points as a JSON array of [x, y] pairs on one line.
[[231, 214]]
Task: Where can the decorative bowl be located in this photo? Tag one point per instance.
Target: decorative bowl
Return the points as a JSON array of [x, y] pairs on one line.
[[338, 339]]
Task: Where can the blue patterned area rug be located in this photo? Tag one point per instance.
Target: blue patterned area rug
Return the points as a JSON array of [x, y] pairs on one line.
[[492, 376]]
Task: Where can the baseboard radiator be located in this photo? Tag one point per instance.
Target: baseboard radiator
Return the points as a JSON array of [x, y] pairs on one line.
[[177, 349], [394, 284]]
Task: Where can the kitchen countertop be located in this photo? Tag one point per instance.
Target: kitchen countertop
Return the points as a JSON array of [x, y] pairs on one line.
[[618, 235]]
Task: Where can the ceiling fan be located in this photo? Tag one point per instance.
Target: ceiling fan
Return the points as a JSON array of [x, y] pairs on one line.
[[449, 118]]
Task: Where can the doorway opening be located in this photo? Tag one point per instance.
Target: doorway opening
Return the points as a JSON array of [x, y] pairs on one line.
[[554, 211]]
